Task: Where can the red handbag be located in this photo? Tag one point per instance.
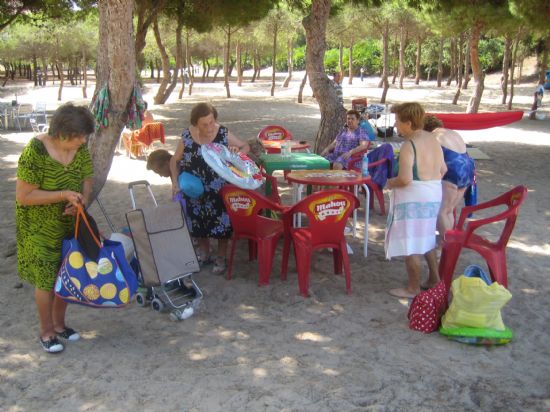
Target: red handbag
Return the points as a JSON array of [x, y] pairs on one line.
[[427, 308]]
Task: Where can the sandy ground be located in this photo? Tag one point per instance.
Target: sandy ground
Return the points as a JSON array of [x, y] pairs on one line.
[[268, 349]]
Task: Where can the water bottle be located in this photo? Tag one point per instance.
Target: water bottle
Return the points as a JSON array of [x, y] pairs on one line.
[[365, 165]]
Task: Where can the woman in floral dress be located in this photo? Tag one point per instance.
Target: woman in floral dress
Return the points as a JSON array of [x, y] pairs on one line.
[[207, 213]]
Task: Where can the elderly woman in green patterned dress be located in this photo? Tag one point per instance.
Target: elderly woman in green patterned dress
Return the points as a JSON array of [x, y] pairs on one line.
[[54, 174]]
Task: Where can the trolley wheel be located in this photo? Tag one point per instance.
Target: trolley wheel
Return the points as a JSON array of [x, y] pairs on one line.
[[141, 299], [175, 315], [157, 304]]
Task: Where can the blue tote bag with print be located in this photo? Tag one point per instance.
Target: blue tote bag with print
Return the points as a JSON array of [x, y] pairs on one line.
[[105, 282]]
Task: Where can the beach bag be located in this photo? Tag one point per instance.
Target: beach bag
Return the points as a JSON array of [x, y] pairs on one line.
[[474, 316], [426, 309], [476, 301], [105, 282]]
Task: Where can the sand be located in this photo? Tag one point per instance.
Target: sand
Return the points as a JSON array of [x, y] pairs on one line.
[[268, 348]]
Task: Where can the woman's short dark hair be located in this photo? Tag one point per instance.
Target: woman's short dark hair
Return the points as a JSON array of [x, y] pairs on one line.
[[354, 112], [70, 121], [157, 159], [202, 110]]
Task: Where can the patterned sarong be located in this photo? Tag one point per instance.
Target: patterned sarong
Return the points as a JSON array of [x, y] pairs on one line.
[[412, 218]]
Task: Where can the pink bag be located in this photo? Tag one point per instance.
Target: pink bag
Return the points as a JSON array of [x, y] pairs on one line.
[[427, 308]]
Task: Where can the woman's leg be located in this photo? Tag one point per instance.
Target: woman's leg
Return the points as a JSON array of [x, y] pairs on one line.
[[222, 248], [450, 199], [412, 264], [44, 304], [59, 308], [204, 248]]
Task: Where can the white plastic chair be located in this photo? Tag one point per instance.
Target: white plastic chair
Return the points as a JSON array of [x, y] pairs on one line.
[[40, 112]]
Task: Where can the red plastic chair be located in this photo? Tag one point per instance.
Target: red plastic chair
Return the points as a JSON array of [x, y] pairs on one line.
[[327, 212], [274, 132], [494, 253], [375, 190], [244, 208]]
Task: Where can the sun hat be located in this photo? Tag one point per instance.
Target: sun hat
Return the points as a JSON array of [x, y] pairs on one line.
[[190, 185]]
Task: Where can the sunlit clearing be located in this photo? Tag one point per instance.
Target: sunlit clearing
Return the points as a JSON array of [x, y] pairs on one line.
[[543, 250], [89, 334], [11, 158], [289, 362], [312, 336], [404, 301], [259, 372], [331, 372], [530, 291]]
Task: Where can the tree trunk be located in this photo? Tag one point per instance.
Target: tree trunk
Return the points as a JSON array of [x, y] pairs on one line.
[[226, 62], [515, 48], [505, 67], [85, 74], [466, 78], [116, 69], [61, 80], [332, 113], [385, 56], [238, 51], [255, 64], [274, 58], [440, 61], [341, 61], [543, 64], [402, 42], [479, 76], [418, 59], [146, 11], [289, 62], [301, 90], [182, 73], [160, 97], [453, 61], [188, 64], [459, 69], [350, 63]]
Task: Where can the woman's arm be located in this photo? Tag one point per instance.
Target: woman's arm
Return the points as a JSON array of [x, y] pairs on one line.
[[174, 167], [362, 146], [30, 195], [237, 145], [406, 161], [330, 147]]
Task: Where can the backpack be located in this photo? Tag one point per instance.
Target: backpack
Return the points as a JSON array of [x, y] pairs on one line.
[[427, 308]]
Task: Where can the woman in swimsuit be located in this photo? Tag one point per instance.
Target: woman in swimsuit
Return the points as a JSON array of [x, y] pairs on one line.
[[460, 170], [420, 160]]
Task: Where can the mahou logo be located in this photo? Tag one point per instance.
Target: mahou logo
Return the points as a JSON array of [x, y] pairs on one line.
[[329, 206], [240, 202]]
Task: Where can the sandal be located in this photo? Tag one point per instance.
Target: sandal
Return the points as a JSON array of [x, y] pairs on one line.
[[69, 334], [52, 345], [219, 265]]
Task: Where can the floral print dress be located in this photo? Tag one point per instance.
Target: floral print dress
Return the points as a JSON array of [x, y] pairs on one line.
[[206, 213]]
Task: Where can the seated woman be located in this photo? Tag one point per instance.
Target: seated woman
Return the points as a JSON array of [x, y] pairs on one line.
[[349, 141], [460, 170]]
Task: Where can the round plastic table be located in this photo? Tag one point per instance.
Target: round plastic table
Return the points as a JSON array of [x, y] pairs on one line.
[[334, 178], [274, 146]]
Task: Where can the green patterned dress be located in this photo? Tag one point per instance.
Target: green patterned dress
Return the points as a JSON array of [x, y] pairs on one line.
[[41, 228]]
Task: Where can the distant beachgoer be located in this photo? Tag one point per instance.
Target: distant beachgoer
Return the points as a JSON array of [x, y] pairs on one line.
[[336, 83], [415, 199]]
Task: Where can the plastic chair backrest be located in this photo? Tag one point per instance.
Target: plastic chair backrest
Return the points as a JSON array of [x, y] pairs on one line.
[[272, 180], [359, 104], [151, 132], [511, 199], [327, 212], [274, 132], [244, 207], [24, 109], [356, 159]]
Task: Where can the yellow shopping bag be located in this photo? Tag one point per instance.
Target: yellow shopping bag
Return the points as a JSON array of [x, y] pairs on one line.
[[476, 304]]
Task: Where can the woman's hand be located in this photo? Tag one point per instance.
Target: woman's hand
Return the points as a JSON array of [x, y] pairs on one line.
[[346, 155], [74, 199], [234, 149], [175, 188]]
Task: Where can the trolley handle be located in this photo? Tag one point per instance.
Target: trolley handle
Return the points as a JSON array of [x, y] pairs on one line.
[[140, 183]]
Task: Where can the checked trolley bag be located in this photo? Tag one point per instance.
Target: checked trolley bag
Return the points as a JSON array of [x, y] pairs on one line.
[[105, 282]]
